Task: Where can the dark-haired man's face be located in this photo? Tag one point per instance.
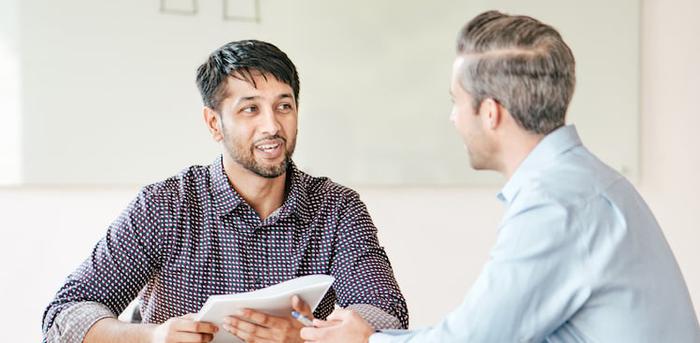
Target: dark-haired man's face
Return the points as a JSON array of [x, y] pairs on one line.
[[259, 124]]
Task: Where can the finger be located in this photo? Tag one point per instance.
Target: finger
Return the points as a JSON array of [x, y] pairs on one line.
[[255, 317], [325, 323], [188, 325], [246, 336], [191, 337], [249, 329], [301, 306], [259, 318], [313, 334]]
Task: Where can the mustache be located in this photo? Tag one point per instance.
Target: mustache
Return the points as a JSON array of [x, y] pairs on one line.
[[268, 138]]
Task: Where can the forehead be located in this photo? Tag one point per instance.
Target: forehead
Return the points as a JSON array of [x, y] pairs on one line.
[[458, 66]]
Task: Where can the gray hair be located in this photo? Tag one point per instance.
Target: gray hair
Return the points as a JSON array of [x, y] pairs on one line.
[[521, 63]]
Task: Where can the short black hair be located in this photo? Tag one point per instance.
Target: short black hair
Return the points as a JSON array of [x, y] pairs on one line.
[[239, 59]]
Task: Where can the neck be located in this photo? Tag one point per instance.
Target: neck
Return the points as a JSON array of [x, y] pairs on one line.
[[516, 148], [265, 195]]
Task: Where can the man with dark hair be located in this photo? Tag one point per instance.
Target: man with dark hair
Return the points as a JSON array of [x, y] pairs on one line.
[[579, 256], [249, 220]]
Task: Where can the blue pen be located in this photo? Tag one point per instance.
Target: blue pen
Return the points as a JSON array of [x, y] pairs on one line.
[[301, 318]]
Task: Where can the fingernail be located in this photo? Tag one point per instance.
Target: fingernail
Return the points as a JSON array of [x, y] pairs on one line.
[[227, 327]]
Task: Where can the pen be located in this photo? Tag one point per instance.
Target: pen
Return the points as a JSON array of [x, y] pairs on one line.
[[301, 318]]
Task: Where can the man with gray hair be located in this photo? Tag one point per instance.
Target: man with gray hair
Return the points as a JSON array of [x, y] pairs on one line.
[[579, 256]]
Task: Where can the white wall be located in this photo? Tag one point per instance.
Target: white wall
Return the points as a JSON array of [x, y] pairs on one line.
[[47, 232], [92, 86], [10, 161]]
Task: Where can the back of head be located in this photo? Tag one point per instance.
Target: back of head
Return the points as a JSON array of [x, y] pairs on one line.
[[521, 63], [240, 59]]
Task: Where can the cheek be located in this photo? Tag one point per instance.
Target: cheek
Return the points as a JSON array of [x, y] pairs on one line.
[[461, 123], [289, 126], [238, 131]]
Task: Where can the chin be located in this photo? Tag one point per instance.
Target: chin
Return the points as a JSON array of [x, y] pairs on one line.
[[478, 164]]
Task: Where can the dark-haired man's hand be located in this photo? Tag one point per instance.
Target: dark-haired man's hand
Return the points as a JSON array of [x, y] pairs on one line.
[[256, 326]]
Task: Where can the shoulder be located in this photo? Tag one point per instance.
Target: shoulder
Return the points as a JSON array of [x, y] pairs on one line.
[[574, 181], [323, 188], [176, 189]]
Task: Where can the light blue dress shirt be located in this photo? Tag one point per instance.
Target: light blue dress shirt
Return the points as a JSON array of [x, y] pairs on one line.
[[579, 258]]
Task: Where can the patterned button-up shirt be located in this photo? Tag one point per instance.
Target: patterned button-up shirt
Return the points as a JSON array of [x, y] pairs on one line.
[[193, 235]]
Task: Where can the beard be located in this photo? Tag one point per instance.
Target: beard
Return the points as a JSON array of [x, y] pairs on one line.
[[245, 156]]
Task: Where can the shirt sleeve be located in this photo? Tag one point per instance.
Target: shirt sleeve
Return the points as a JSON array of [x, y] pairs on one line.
[[534, 280], [106, 282], [361, 267], [73, 322], [376, 317]]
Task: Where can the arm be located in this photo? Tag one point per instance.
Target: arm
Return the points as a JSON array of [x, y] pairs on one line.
[[535, 280], [364, 279], [178, 329], [120, 265]]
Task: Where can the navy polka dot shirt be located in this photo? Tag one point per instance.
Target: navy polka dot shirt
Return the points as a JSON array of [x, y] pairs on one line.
[[192, 236]]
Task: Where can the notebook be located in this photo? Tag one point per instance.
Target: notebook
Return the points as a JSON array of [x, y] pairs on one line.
[[274, 300]]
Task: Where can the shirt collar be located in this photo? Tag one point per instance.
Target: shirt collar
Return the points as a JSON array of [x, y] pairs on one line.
[[544, 153], [297, 201], [226, 199]]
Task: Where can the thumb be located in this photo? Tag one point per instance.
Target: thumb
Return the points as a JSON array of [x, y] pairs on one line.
[[323, 324]]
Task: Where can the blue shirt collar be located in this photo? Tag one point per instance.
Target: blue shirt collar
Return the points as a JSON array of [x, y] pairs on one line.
[[545, 152]]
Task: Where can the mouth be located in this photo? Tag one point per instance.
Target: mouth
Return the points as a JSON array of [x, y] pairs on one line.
[[270, 148]]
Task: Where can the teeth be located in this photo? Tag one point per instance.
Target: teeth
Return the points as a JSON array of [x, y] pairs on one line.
[[268, 147]]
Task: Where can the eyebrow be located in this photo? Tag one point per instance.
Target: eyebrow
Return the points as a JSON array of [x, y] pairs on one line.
[[250, 98]]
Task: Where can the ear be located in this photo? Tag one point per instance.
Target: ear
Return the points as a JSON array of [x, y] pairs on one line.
[[213, 122], [491, 113]]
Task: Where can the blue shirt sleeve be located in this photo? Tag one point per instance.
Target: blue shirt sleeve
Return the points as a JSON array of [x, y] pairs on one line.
[[534, 280]]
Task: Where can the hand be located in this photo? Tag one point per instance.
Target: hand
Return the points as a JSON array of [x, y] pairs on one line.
[[254, 326], [184, 329], [343, 326]]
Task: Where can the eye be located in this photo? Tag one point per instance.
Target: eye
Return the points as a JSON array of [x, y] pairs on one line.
[[249, 109], [285, 107]]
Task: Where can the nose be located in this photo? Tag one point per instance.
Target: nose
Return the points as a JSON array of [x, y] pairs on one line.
[[453, 115], [269, 124]]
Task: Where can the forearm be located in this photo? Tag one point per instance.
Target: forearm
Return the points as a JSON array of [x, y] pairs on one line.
[[92, 322], [111, 330]]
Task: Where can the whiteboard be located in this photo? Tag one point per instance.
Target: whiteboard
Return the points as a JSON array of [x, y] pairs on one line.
[[108, 94]]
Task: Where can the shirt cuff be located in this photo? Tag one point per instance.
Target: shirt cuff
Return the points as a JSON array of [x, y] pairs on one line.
[[376, 317], [73, 322]]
